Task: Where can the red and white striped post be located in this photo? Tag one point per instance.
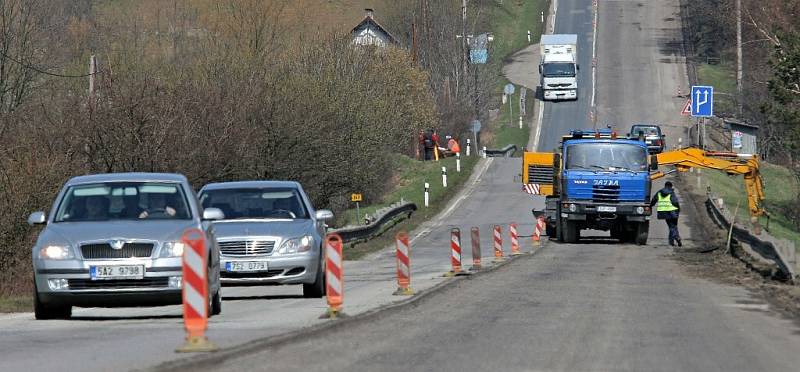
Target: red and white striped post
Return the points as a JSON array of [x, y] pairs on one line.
[[455, 253], [195, 292], [334, 275], [542, 225], [403, 265], [476, 248], [512, 229], [498, 243], [537, 232]]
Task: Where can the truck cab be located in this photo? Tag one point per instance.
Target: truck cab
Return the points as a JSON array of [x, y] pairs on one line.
[[599, 182], [558, 69]]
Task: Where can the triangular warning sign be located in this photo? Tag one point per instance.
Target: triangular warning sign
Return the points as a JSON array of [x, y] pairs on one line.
[[687, 109]]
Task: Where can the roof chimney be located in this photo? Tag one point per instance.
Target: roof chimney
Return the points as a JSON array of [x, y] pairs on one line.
[[368, 12]]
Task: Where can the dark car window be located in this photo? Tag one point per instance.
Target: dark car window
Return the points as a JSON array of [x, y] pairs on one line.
[[648, 130], [240, 203], [123, 201], [558, 70]]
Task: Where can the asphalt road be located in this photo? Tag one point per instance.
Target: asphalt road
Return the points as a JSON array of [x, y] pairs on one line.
[[559, 117], [136, 338], [582, 307], [597, 305], [594, 306]]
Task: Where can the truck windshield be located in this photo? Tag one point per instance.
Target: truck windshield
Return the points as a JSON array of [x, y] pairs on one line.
[[606, 157], [558, 70], [123, 201], [246, 203]]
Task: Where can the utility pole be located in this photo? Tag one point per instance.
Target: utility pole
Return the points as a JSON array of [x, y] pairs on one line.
[[464, 50], [739, 73], [92, 73], [414, 43]]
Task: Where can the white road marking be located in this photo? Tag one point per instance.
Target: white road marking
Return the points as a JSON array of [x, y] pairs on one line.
[[749, 306], [467, 192]]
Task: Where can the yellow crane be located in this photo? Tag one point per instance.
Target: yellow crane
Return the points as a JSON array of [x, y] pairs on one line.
[[728, 162]]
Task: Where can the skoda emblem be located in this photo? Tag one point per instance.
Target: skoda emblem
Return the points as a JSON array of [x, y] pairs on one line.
[[116, 244]]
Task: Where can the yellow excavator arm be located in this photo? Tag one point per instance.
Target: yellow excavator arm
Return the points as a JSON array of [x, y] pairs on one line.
[[728, 162]]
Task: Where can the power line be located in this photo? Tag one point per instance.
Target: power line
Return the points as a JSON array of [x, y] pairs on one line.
[[39, 70]]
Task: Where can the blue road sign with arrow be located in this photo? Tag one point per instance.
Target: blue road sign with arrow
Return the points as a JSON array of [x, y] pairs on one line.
[[702, 101]]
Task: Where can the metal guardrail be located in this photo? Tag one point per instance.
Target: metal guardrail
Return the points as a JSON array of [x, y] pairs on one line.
[[351, 234], [506, 152], [766, 246]]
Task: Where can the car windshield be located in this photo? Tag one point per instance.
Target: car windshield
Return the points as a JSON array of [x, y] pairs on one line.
[[123, 201], [558, 70], [606, 157], [245, 203], [648, 131]]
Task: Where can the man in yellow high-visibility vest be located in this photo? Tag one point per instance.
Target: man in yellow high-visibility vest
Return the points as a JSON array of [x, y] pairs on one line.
[[668, 208]]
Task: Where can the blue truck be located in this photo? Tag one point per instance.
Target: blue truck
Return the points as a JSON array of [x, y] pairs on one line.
[[597, 181]]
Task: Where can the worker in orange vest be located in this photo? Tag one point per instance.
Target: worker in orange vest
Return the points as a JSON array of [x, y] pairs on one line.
[[452, 145]]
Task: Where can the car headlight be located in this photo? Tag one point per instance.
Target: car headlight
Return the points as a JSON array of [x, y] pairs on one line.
[[573, 208], [296, 245], [172, 249], [640, 210], [56, 252]]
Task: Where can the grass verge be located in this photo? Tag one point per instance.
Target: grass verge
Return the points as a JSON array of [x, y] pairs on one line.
[[15, 304], [511, 22], [722, 78], [780, 186], [413, 175], [780, 190]]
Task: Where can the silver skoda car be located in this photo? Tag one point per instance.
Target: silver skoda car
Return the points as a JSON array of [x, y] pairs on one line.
[[115, 240], [270, 235]]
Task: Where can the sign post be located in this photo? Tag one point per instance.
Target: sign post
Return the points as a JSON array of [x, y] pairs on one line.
[[509, 90], [702, 106], [357, 198]]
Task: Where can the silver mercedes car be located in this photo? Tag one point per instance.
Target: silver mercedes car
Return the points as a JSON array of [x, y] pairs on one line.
[[270, 235], [115, 240]]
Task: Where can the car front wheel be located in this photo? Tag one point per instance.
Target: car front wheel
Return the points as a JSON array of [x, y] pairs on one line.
[[316, 289], [42, 311]]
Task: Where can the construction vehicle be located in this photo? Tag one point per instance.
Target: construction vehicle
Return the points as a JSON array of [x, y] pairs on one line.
[[558, 68], [600, 181], [728, 162]]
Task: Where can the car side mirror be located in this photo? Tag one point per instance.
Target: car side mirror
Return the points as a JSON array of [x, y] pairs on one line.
[[37, 218], [213, 214], [653, 162], [540, 69], [577, 66], [324, 215]]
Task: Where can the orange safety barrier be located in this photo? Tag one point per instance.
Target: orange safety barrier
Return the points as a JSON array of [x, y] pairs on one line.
[[498, 243], [403, 249], [334, 275], [195, 292], [476, 248], [512, 229]]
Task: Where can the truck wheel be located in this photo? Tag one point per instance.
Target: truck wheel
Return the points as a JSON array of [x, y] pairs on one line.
[[571, 233], [550, 231], [642, 232], [618, 233]]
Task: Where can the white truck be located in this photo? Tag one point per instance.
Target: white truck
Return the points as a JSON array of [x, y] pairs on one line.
[[558, 70]]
